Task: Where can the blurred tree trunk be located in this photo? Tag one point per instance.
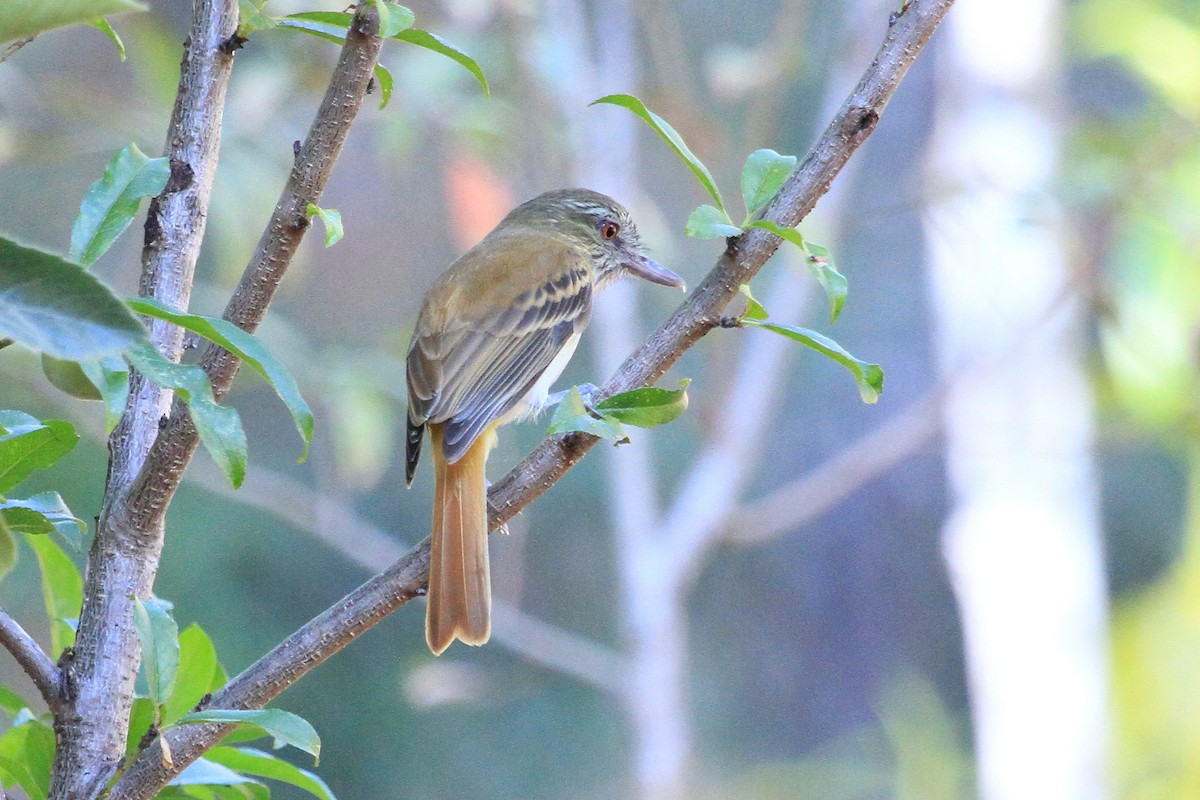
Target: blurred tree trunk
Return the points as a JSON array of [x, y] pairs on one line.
[[1022, 539]]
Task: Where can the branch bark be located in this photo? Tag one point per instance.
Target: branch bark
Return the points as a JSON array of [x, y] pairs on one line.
[[98, 673], [335, 628], [33, 659]]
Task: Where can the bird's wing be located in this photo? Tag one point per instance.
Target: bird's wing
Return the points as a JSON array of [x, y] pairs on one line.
[[476, 366]]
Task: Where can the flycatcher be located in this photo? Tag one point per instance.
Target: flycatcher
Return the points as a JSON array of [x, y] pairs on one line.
[[494, 332]]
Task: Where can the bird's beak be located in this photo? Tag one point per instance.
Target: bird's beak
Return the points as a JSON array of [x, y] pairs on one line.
[[651, 270]]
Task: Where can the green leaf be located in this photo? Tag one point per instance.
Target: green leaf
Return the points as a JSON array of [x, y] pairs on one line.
[[43, 513], [246, 347], [159, 636], [248, 761], [329, 25], [110, 376], [818, 262], [141, 718], [29, 444], [204, 772], [437, 44], [648, 407], [68, 377], [707, 222], [219, 426], [572, 415], [762, 177], [56, 307], [754, 309], [393, 19], [664, 129], [281, 725], [22, 18], [11, 702], [332, 220], [8, 554], [869, 377], [26, 753], [62, 590], [103, 26], [252, 18], [384, 79], [112, 202], [199, 673]]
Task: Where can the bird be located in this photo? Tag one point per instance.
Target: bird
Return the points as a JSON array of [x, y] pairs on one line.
[[494, 332]]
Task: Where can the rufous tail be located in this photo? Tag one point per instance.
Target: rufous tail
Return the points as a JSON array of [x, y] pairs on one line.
[[460, 592]]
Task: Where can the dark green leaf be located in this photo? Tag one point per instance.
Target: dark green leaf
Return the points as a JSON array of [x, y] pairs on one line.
[[112, 202], [159, 636], [818, 262], [56, 307], [141, 717], [664, 129], [8, 553], [762, 177], [103, 26], [648, 407], [869, 377], [11, 702], [332, 220], [572, 415], [219, 426], [199, 673], [437, 44], [68, 377], [249, 761], [329, 25], [707, 222], [22, 18], [252, 18], [43, 513], [110, 376], [26, 753], [246, 347], [283, 726], [29, 444], [384, 79], [62, 590]]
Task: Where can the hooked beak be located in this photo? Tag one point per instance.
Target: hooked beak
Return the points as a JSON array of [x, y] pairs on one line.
[[649, 269]]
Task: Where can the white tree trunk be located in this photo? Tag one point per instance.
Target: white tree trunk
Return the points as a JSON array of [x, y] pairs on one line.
[[1022, 539]]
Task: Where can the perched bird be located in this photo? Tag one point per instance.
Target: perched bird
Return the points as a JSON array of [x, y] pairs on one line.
[[494, 332]]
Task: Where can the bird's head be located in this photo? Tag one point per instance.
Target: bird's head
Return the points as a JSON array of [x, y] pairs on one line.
[[600, 225]]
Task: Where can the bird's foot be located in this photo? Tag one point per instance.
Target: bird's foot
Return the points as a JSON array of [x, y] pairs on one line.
[[587, 391]]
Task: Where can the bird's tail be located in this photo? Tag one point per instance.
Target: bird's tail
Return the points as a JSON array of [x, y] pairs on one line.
[[460, 594]]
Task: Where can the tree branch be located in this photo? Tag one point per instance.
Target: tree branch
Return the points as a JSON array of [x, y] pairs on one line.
[[339, 625], [33, 660], [92, 720]]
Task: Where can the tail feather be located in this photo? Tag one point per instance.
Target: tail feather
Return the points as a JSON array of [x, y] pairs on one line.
[[460, 595]]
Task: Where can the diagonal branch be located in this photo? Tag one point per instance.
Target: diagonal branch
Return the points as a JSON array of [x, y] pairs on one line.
[[339, 625], [33, 659]]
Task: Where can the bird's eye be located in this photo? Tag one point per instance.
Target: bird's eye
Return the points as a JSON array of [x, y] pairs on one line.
[[609, 229]]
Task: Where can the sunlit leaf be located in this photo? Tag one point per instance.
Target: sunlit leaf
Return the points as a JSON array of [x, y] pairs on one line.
[[762, 177], [26, 753], [248, 761], [672, 138], [112, 202], [437, 44], [159, 636], [29, 444], [869, 377], [707, 222], [818, 262], [283, 726], [332, 220], [203, 772], [62, 590], [572, 415], [385, 82], [393, 19], [251, 17], [199, 673], [219, 427], [52, 305], [104, 27], [246, 347], [647, 407], [22, 18]]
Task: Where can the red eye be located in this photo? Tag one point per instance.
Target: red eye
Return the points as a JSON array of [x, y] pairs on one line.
[[609, 229]]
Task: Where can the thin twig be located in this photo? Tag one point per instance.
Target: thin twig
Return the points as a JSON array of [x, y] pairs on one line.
[[335, 628], [32, 658]]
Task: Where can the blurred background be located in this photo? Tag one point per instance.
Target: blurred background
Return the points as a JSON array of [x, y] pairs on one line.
[[984, 585]]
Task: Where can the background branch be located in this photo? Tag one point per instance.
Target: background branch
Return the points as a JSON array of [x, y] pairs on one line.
[[342, 623], [32, 658]]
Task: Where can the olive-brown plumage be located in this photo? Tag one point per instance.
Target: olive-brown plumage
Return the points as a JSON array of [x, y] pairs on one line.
[[494, 332]]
